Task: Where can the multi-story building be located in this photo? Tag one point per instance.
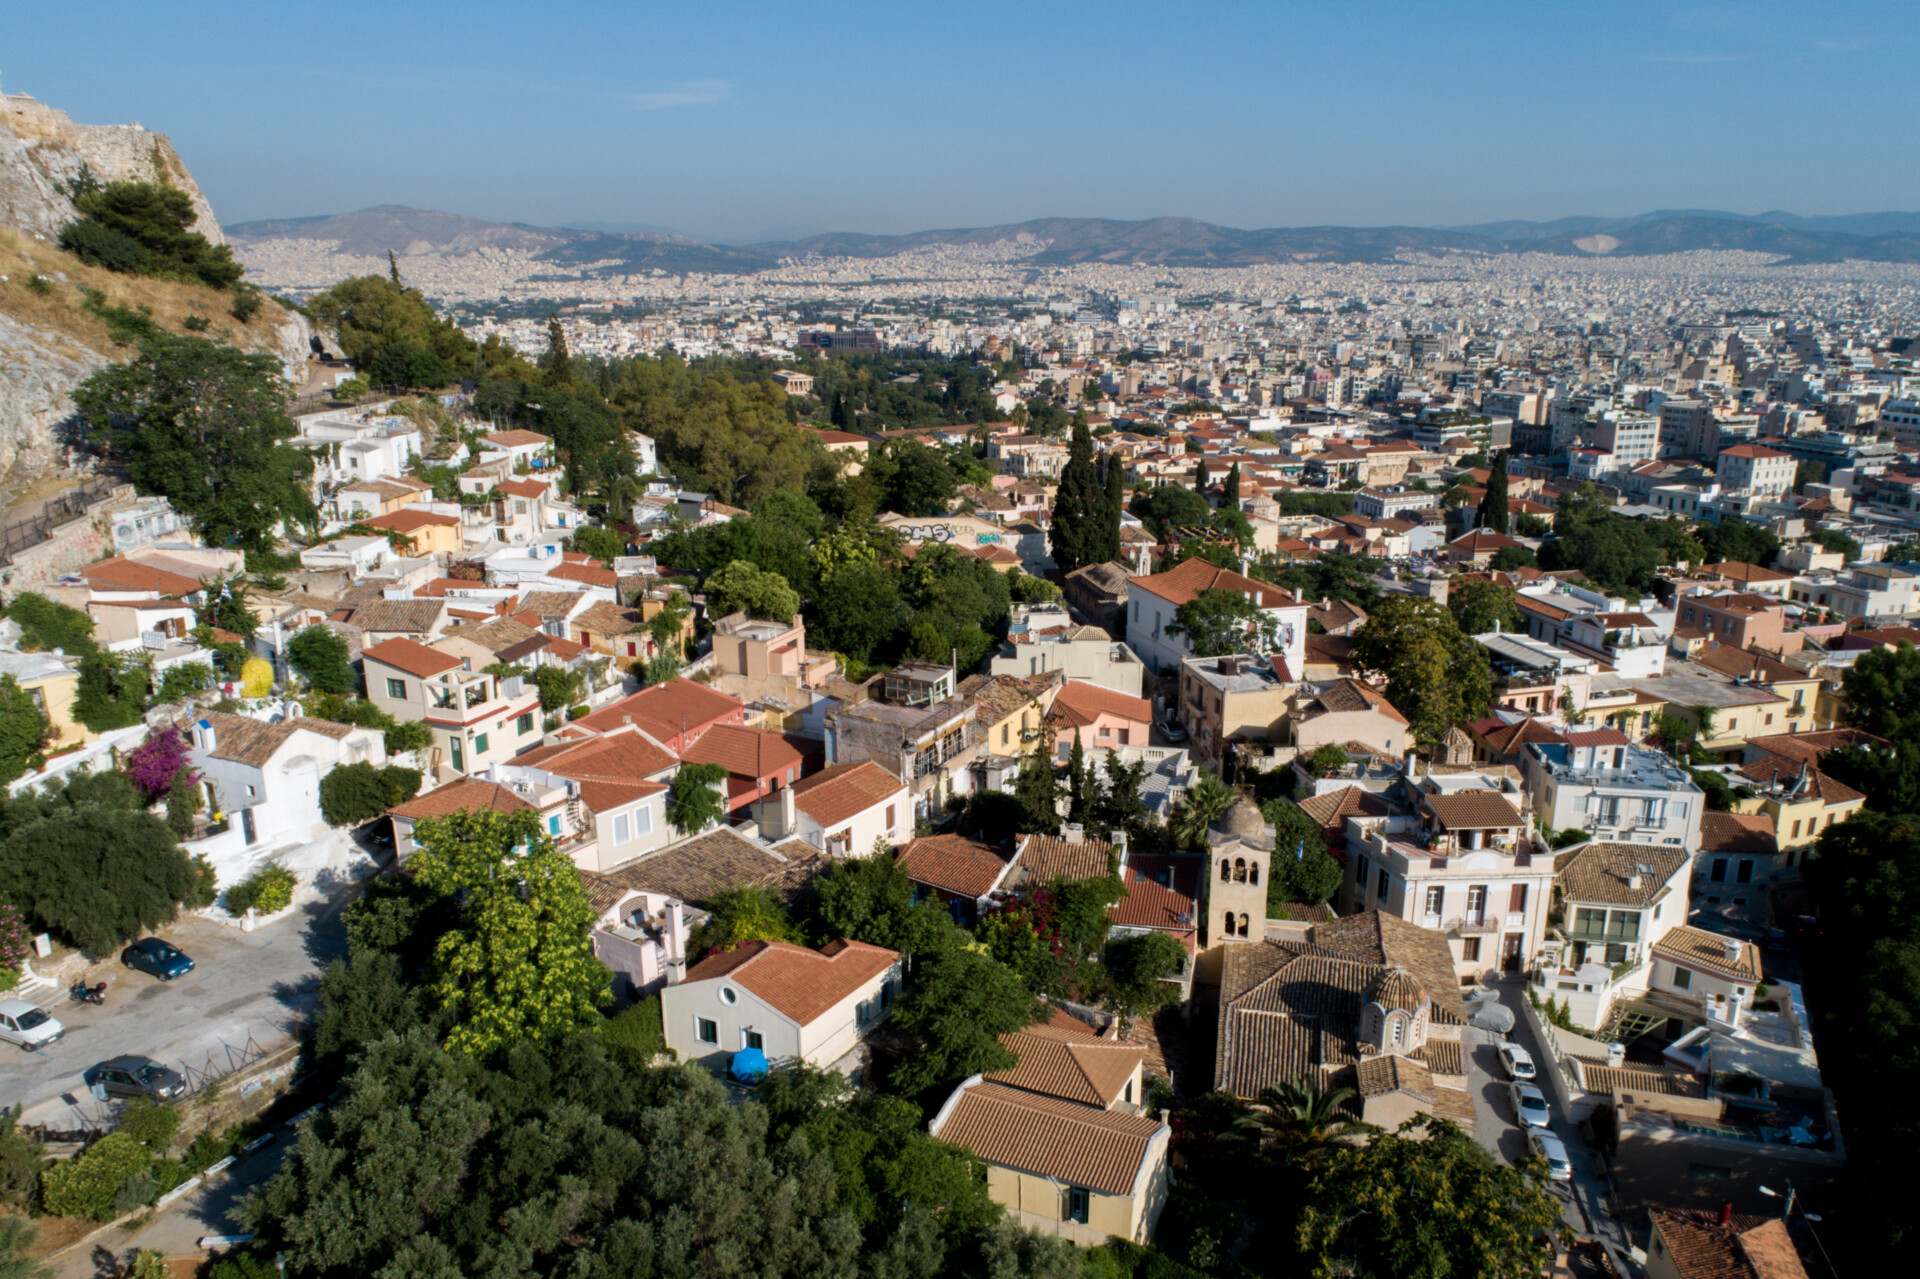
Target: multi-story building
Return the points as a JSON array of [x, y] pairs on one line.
[[1755, 470], [1229, 702], [1153, 600], [1601, 782], [1044, 638], [477, 720], [1631, 437]]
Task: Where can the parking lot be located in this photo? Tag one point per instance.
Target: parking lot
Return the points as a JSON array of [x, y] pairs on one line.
[[245, 987]]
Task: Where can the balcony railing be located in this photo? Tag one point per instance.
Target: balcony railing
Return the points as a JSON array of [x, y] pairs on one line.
[[1475, 921]]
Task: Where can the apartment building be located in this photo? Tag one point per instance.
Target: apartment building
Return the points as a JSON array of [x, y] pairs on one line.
[[1755, 470], [1234, 702], [1153, 600], [477, 720], [1044, 638], [1601, 782]]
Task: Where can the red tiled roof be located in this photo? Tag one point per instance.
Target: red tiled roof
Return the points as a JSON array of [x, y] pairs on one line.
[[1101, 1149], [1080, 703], [1068, 1065], [411, 518], [662, 710], [836, 794], [1184, 581], [511, 439], [412, 657], [1152, 904], [618, 757], [461, 797], [799, 983], [963, 867], [121, 574], [744, 752]]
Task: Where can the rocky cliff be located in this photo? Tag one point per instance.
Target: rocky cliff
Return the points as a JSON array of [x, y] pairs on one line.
[[49, 340]]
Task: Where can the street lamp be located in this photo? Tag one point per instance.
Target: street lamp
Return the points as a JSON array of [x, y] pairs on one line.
[[1791, 1196]]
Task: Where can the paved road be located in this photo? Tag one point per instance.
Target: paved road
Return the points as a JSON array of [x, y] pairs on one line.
[[257, 985], [1585, 1207]]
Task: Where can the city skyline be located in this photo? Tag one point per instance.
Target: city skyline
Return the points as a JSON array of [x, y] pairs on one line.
[[763, 122]]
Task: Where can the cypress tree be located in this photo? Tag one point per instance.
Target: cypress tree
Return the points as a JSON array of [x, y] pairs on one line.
[[559, 363], [1232, 496], [1201, 478], [1075, 537], [393, 267], [1111, 504], [1076, 783], [1493, 507]]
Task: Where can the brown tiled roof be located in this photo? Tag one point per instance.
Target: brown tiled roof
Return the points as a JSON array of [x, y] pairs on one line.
[[470, 795], [744, 752], [1350, 696], [509, 439], [413, 617], [1332, 808], [252, 742], [592, 575], [662, 710], [550, 605], [1329, 650], [1072, 1067], [1737, 833], [1808, 781], [1599, 737], [1598, 1077], [499, 635], [1742, 664], [798, 982], [1377, 1076], [605, 618], [1149, 903], [121, 574], [1390, 941], [411, 519], [414, 658], [1002, 695], [964, 867], [835, 794], [1443, 1056], [1181, 583], [1811, 746], [1079, 703], [1601, 871], [695, 869], [619, 757], [1507, 739], [1747, 1247], [1472, 810], [1045, 858], [1285, 1012], [1698, 948], [1099, 1149]]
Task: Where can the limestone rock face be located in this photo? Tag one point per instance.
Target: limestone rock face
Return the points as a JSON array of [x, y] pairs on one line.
[[41, 150], [38, 371]]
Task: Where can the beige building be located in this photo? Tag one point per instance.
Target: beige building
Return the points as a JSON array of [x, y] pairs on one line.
[[477, 720], [788, 1002], [752, 649], [52, 684], [1346, 710], [848, 808], [1233, 703], [1059, 1167]]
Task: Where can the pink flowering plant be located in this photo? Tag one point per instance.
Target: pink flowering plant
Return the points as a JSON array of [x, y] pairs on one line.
[[15, 946], [155, 763]]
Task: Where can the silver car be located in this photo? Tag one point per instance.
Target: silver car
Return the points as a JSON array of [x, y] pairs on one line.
[[31, 1027], [1517, 1060], [1554, 1151], [1529, 1105]]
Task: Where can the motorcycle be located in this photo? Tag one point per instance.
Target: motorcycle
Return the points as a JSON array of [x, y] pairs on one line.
[[85, 994]]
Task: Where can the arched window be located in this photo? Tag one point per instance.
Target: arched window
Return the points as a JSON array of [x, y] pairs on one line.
[[1399, 1030], [1243, 923], [1226, 870], [1229, 931], [1239, 870], [1253, 872]]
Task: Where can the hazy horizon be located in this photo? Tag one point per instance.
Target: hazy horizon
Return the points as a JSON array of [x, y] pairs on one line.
[[732, 121]]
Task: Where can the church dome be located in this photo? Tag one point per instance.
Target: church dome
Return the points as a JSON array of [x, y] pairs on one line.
[[1242, 820], [1397, 990]]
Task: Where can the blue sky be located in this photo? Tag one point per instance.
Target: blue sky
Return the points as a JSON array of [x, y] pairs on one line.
[[725, 120]]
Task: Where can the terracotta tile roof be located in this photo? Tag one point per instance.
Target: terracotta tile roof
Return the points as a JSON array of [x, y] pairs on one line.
[[411, 617], [1811, 746], [1003, 695], [695, 869], [253, 742], [1737, 833], [1602, 872], [744, 752], [1507, 739], [963, 867], [1045, 858], [1599, 737], [511, 439], [500, 635], [1332, 808], [1698, 948], [662, 710], [461, 797], [1738, 571], [1800, 779], [552, 606], [414, 658], [1099, 1149], [1597, 1076], [1149, 903], [1068, 1065], [1079, 703], [799, 983], [524, 488], [592, 575], [1748, 1247], [1378, 1076], [1482, 542], [833, 795], [1472, 810], [1350, 696], [1389, 941], [1741, 664], [1443, 1056], [121, 574], [1181, 583], [618, 757], [603, 797], [411, 519]]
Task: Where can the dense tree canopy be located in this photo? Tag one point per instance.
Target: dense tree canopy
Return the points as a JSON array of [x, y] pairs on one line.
[[375, 315], [742, 587], [1436, 675], [146, 227], [205, 426], [1479, 605]]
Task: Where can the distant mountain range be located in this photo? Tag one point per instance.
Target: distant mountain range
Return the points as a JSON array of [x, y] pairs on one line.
[[624, 248]]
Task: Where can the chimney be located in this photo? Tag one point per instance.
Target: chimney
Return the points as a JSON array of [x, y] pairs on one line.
[[1732, 948], [1633, 881], [1410, 763], [676, 942], [1073, 834], [1726, 1214], [1229, 666], [203, 734], [789, 822]]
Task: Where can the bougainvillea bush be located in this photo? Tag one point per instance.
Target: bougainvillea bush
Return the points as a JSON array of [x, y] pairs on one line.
[[15, 946], [154, 763]]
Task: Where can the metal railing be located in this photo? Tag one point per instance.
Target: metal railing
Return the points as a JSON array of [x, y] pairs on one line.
[[23, 534]]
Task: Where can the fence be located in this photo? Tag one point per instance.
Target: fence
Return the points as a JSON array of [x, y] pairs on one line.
[[35, 529], [221, 1066]]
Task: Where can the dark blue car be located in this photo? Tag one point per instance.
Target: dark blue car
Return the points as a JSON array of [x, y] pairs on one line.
[[161, 958]]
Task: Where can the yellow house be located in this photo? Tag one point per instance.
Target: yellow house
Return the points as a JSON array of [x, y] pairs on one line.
[[1066, 1169], [52, 684], [1011, 707], [1801, 800], [1798, 689], [430, 532]]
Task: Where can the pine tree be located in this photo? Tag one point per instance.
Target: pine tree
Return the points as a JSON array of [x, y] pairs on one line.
[[559, 363], [837, 415], [1231, 498], [1075, 537], [1493, 507], [1038, 790]]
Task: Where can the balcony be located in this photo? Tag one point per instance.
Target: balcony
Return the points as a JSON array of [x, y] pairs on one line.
[[1475, 921]]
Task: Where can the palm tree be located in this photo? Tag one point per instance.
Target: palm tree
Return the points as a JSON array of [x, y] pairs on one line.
[[1302, 1119], [1202, 806]]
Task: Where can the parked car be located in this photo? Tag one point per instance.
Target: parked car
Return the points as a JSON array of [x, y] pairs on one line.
[[1529, 1105], [136, 1077], [1517, 1060], [1173, 732], [160, 958], [31, 1027], [1554, 1151]]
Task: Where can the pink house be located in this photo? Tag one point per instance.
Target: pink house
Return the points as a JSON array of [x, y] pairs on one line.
[[1100, 717]]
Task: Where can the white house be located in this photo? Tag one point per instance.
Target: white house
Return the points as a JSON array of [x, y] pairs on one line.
[[1755, 469], [266, 774], [641, 937], [1153, 600], [1597, 779], [787, 1001], [847, 808]]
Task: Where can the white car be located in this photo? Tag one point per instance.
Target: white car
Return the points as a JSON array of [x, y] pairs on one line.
[[1529, 1106], [1517, 1060], [1554, 1151], [31, 1027]]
